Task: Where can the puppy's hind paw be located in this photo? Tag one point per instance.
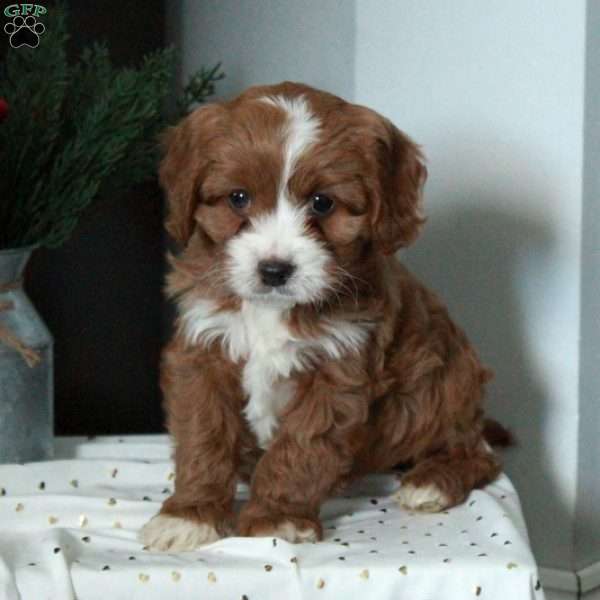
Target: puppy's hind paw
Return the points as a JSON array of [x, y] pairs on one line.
[[428, 498], [164, 533], [289, 531], [295, 530]]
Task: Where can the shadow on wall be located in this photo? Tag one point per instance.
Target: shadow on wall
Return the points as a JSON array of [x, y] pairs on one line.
[[471, 256]]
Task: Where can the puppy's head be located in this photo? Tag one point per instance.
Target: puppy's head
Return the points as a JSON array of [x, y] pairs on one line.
[[289, 190]]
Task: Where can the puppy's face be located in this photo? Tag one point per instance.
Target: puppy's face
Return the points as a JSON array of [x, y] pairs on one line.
[[288, 190]]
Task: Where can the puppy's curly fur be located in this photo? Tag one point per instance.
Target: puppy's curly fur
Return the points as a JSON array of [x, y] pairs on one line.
[[357, 369]]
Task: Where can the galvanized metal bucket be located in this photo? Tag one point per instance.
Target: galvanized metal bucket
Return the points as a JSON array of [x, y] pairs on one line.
[[26, 369]]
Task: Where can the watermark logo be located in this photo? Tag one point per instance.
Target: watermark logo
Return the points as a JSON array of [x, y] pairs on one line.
[[25, 29]]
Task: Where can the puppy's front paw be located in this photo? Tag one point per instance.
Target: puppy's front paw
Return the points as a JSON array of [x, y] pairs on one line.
[[165, 533], [291, 529], [425, 498]]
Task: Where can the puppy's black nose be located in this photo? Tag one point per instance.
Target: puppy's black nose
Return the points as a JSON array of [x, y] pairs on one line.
[[275, 272]]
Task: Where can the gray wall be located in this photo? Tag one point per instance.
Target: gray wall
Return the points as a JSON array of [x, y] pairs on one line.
[[494, 92], [268, 41], [587, 532]]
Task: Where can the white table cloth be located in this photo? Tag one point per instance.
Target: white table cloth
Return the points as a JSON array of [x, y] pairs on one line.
[[68, 530]]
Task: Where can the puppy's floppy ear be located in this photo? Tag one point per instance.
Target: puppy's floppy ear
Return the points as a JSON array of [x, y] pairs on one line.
[[184, 165], [396, 217]]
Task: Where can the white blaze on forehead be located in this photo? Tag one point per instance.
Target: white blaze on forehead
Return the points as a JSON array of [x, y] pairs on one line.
[[282, 233], [301, 131]]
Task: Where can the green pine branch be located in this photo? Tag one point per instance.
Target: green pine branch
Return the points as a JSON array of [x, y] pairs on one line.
[[76, 133]]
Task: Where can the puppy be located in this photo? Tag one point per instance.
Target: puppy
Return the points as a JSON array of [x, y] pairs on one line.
[[305, 355]]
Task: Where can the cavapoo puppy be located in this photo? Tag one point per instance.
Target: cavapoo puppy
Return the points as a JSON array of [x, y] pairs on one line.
[[305, 355]]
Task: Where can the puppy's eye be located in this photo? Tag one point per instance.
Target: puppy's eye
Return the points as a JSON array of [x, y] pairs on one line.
[[321, 205], [239, 199]]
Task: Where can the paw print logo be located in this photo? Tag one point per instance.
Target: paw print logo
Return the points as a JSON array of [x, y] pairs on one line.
[[24, 31]]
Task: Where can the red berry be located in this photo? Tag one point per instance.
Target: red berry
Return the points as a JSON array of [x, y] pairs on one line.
[[3, 109]]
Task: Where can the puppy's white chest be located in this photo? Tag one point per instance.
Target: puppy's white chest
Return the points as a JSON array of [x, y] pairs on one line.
[[271, 355], [259, 335]]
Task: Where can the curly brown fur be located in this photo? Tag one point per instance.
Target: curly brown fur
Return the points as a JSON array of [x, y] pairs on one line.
[[410, 394]]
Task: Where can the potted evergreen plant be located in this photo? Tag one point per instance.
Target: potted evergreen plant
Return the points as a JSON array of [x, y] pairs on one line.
[[70, 134]]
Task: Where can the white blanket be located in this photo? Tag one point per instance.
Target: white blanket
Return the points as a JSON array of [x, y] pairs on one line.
[[68, 530]]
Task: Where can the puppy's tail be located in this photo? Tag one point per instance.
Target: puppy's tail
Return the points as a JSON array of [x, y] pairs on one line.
[[497, 435]]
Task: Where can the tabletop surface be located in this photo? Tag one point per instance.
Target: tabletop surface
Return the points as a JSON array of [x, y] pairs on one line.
[[68, 530]]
